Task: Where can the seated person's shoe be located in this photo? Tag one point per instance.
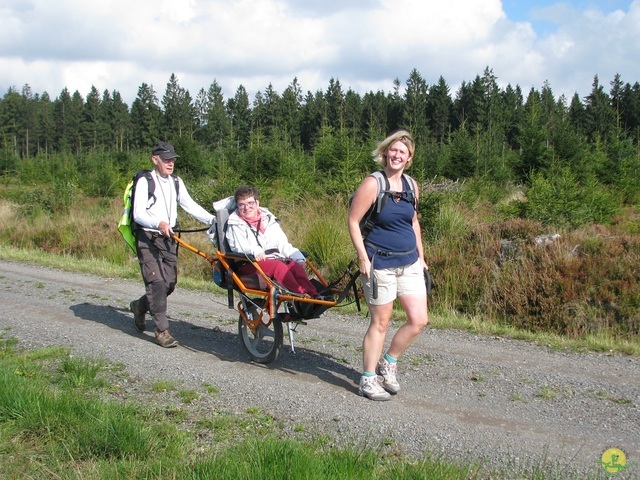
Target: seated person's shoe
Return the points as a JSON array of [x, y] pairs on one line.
[[303, 308], [326, 298]]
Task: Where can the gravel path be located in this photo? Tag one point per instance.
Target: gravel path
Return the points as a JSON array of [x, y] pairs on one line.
[[504, 402]]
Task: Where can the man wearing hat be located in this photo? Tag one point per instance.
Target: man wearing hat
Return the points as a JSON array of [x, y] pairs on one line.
[[156, 215]]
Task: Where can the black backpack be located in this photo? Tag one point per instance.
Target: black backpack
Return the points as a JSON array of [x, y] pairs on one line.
[[370, 218]]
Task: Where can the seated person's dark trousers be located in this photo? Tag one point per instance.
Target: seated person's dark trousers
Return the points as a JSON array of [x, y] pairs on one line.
[[159, 266]]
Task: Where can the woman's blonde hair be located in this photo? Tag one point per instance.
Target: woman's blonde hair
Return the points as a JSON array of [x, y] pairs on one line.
[[380, 153]]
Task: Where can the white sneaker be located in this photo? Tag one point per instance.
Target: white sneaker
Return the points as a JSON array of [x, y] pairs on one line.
[[370, 387], [388, 371]]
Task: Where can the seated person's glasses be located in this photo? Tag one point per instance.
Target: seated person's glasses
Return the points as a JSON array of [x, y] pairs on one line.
[[247, 204]]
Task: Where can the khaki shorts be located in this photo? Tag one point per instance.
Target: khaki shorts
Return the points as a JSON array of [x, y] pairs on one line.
[[395, 282]]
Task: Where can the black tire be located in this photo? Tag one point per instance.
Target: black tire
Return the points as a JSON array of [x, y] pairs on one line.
[[264, 345]]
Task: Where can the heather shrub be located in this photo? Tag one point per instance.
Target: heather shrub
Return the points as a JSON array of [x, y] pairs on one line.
[[526, 290], [585, 282], [517, 229], [582, 282]]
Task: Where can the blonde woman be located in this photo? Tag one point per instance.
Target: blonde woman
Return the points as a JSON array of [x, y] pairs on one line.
[[392, 263]]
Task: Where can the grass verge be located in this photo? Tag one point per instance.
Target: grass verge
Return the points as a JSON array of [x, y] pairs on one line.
[[65, 417]]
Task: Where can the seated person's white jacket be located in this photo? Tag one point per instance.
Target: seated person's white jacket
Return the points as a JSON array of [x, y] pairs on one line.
[[243, 238]]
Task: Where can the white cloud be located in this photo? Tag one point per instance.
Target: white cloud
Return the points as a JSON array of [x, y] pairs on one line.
[[589, 43], [120, 44]]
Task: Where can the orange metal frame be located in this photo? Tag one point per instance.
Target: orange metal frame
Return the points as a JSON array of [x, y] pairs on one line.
[[268, 294]]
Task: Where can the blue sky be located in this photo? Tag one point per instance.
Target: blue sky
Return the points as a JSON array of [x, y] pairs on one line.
[[527, 10], [365, 44], [539, 12]]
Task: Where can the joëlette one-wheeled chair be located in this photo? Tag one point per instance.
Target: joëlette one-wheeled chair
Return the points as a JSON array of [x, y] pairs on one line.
[[264, 305]]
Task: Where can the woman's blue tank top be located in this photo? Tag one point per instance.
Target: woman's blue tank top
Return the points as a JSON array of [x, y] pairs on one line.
[[393, 232]]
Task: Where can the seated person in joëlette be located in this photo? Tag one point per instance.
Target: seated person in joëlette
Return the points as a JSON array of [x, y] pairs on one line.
[[254, 230]]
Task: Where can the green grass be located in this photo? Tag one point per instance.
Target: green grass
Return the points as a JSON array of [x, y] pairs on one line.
[[82, 372], [547, 393], [58, 421], [163, 386], [64, 417]]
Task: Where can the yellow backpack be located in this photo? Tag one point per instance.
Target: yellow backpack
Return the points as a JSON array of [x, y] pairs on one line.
[[126, 225]]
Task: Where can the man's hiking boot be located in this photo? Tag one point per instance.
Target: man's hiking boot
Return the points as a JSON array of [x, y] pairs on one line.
[[139, 319], [164, 339], [370, 387], [388, 372]]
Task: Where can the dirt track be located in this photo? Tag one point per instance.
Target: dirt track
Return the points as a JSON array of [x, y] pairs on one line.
[[504, 402]]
